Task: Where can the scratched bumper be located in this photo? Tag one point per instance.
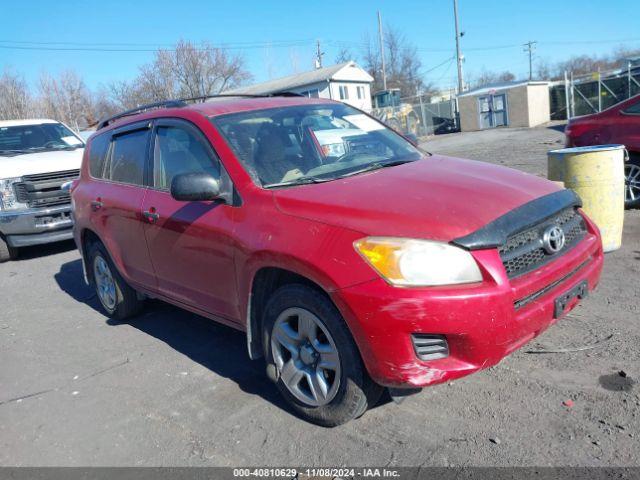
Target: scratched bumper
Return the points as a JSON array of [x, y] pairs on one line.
[[481, 322]]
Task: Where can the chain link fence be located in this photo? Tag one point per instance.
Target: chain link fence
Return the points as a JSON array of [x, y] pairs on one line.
[[592, 93], [416, 115]]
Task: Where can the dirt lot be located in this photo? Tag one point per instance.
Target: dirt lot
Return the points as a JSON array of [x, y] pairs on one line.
[[171, 388]]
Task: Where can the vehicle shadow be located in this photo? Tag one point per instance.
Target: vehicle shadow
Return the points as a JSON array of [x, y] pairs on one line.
[[37, 251], [221, 349], [558, 128]]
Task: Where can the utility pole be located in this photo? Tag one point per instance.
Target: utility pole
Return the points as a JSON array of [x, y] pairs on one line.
[[384, 71], [530, 47], [319, 55], [458, 53]]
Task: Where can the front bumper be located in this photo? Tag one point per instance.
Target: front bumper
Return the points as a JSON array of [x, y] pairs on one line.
[[36, 226], [482, 323]]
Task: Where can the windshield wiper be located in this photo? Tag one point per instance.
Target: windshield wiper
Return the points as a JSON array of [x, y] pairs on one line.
[[376, 166], [298, 181]]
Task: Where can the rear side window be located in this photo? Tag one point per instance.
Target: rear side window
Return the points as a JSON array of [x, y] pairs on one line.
[[97, 154], [178, 150], [128, 156]]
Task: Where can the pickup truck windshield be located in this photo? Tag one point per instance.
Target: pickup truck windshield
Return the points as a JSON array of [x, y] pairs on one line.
[[21, 139], [311, 143]]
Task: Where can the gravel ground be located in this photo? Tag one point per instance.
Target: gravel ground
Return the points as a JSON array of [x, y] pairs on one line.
[[171, 388]]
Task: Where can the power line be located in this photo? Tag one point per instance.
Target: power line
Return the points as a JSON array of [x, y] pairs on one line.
[[79, 48], [448, 60], [122, 47]]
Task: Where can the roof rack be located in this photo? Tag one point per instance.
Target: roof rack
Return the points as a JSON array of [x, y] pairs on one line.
[[182, 102]]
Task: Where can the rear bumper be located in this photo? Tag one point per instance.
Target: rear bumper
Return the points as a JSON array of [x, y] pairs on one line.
[[36, 226], [482, 323]]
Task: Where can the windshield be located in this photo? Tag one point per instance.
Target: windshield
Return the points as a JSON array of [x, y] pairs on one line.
[[21, 139], [311, 143]]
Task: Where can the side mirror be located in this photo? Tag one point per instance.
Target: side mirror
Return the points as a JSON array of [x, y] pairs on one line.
[[413, 139], [194, 187]]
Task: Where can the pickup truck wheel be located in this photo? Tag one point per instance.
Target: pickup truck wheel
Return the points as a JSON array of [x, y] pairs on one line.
[[632, 182], [319, 369], [6, 252], [117, 298]]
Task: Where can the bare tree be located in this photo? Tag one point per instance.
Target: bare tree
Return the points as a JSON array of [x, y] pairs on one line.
[[15, 99], [65, 98], [186, 71], [487, 78], [543, 70], [402, 64], [344, 55]]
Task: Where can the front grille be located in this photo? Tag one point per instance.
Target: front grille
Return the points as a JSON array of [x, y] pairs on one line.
[[537, 294], [524, 251], [43, 190], [429, 346]]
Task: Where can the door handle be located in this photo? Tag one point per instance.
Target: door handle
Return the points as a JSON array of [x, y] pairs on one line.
[[96, 204], [151, 215]]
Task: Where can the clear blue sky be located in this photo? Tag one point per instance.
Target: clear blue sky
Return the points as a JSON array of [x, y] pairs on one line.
[[562, 28]]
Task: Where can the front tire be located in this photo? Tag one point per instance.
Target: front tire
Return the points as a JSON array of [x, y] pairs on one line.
[[7, 252], [632, 182], [116, 297], [319, 369]]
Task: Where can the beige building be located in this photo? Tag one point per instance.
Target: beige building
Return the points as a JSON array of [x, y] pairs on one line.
[[514, 104]]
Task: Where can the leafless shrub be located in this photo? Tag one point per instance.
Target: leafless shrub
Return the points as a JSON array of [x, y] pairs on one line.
[[15, 99], [189, 70], [65, 98], [402, 64]]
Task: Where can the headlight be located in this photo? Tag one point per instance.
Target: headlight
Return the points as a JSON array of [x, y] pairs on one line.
[[408, 262], [8, 199]]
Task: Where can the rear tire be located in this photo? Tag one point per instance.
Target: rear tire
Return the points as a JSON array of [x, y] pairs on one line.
[[632, 182], [116, 297], [7, 252], [325, 361]]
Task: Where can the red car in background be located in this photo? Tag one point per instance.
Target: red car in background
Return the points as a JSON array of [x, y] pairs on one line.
[[618, 124]]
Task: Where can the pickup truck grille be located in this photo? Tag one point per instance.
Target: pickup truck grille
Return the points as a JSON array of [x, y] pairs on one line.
[[524, 251], [43, 190]]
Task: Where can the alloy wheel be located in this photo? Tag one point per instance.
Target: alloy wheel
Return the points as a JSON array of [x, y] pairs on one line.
[[306, 356], [105, 284], [631, 182]]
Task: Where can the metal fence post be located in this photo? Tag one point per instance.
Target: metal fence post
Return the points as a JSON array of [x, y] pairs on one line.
[[599, 90], [566, 95], [571, 87], [629, 77], [424, 117]]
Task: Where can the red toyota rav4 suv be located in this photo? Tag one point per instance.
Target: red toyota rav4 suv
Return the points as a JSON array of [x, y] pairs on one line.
[[353, 260]]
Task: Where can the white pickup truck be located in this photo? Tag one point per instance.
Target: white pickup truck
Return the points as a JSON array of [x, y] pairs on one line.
[[36, 158]]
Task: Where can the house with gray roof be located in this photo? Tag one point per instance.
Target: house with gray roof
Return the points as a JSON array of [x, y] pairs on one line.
[[347, 82]]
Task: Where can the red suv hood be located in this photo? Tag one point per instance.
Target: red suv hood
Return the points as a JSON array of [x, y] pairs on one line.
[[439, 198]]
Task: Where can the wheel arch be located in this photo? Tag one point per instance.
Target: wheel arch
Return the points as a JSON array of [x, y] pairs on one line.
[[87, 238], [265, 281]]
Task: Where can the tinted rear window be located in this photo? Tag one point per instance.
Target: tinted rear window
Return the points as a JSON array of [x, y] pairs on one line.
[[97, 153], [128, 154]]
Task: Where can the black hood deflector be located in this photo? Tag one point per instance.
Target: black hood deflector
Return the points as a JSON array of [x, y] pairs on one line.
[[495, 233]]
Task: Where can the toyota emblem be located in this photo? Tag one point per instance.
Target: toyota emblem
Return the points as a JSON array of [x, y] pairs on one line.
[[553, 239]]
